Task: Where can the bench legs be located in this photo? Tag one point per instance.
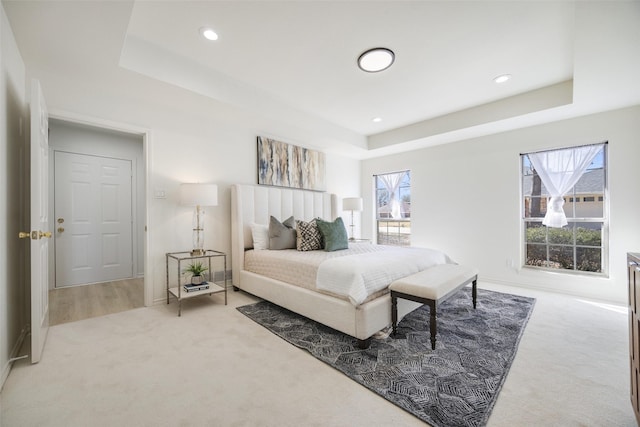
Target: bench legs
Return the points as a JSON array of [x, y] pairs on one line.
[[394, 312], [474, 292], [433, 304], [433, 319]]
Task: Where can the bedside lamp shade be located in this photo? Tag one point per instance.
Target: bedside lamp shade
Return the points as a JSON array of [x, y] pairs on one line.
[[352, 204], [198, 195]]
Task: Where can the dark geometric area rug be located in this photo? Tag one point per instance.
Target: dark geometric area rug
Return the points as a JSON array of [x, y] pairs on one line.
[[457, 384]]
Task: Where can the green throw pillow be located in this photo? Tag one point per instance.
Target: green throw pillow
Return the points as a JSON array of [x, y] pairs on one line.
[[334, 234]]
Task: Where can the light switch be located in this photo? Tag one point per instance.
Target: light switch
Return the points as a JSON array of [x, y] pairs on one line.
[[160, 194]]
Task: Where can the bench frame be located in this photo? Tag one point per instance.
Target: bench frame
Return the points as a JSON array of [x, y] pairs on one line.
[[433, 304]]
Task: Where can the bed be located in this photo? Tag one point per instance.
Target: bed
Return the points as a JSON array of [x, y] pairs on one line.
[[359, 316]]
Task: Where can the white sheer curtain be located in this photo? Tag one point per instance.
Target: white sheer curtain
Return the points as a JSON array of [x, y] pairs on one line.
[[392, 182], [559, 171]]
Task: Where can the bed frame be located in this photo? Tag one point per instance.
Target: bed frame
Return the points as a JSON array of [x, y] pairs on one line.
[[255, 204]]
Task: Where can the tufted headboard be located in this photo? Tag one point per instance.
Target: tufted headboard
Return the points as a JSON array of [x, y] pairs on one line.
[[255, 204]]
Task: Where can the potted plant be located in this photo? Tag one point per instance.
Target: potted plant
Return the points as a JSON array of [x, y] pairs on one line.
[[196, 269]]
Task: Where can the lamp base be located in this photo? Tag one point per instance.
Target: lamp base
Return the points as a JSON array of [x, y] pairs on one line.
[[197, 252]]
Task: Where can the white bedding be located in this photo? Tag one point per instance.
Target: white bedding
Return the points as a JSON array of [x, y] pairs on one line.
[[356, 274]]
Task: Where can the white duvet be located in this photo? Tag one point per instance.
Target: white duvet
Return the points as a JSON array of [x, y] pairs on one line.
[[354, 274], [360, 275]]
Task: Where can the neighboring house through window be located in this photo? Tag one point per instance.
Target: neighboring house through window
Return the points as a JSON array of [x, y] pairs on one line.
[[565, 209], [393, 208]]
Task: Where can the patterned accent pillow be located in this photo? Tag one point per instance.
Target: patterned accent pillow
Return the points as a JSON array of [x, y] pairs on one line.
[[334, 235], [309, 237]]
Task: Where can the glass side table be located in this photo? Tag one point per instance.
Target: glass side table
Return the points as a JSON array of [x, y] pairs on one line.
[[180, 260]]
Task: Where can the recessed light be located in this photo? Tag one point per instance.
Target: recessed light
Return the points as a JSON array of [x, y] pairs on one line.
[[376, 119], [208, 33], [503, 78], [376, 59]]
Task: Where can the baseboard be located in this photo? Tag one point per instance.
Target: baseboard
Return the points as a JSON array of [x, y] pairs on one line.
[[6, 369], [552, 290]]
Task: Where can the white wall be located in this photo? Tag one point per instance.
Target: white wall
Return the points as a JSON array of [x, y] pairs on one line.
[[75, 138], [466, 199], [13, 151]]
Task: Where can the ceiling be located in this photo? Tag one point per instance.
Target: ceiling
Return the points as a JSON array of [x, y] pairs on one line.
[[297, 59]]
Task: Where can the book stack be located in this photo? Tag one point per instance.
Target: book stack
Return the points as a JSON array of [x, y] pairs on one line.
[[192, 288]]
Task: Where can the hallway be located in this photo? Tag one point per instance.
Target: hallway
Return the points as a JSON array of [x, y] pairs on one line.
[[83, 302]]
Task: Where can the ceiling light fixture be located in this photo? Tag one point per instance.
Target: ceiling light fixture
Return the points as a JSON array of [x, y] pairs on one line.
[[376, 59], [503, 78], [208, 33], [376, 119]]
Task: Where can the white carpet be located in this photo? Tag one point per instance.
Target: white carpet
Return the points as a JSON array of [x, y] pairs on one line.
[[215, 367]]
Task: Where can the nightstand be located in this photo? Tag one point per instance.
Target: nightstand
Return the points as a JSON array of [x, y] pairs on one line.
[[179, 260]]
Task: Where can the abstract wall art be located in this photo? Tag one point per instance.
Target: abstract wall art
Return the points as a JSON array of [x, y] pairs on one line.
[[285, 165]]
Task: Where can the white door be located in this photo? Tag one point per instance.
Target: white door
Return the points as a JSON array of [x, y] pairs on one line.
[[39, 222], [93, 236]]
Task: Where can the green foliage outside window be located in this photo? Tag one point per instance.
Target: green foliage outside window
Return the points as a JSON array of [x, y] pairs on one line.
[[560, 244]]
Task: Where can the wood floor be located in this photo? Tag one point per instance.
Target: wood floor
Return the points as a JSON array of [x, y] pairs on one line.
[[82, 302]]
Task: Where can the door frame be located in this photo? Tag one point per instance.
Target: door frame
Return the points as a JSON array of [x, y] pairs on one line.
[[69, 117]]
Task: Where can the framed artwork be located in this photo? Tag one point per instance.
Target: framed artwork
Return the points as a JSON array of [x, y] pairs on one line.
[[285, 165]]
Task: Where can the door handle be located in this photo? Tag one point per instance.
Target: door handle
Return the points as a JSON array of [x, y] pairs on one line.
[[34, 235], [60, 229]]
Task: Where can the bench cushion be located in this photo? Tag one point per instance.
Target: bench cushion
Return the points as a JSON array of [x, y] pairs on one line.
[[435, 282]]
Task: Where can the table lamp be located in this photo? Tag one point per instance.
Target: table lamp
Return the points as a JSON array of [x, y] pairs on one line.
[[198, 195], [352, 204]]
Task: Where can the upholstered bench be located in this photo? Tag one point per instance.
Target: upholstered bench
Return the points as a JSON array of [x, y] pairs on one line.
[[432, 286]]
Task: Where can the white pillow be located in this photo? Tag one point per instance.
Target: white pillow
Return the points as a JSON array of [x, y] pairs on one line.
[[260, 234]]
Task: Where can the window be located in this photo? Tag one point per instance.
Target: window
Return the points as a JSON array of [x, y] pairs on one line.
[[581, 244], [393, 208]]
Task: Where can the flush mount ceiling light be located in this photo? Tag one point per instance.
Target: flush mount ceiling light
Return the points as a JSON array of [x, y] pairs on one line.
[[376, 119], [503, 78], [208, 33], [376, 59]]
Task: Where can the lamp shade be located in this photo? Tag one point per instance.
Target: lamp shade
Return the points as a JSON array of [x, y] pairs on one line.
[[352, 204], [199, 194]]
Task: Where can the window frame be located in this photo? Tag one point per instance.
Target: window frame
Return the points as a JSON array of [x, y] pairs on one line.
[[378, 219], [571, 219]]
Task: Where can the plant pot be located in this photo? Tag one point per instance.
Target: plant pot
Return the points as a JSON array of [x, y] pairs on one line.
[[196, 280]]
